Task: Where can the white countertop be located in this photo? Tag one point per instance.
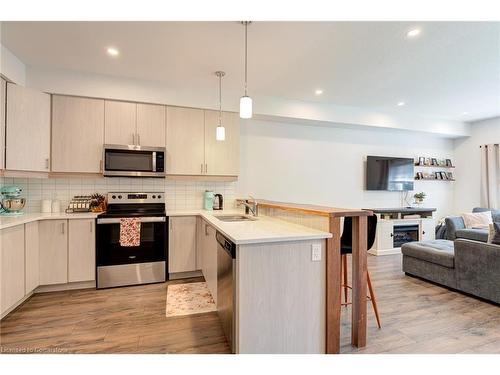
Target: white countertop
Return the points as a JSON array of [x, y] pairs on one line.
[[264, 229], [12, 221]]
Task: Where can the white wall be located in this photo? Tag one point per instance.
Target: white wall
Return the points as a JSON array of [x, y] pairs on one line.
[[468, 163], [11, 67], [324, 165]]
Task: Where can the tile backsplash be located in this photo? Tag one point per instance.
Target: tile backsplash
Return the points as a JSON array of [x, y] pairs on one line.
[[179, 195]]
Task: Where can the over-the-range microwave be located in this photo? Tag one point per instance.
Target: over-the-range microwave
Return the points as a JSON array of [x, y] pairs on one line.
[[134, 161]]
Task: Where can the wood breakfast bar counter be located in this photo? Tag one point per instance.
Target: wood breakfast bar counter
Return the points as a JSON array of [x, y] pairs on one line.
[[329, 219]]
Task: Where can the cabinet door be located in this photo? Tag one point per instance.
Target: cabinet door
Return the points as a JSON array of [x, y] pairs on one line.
[[151, 125], [77, 134], [81, 250], [53, 252], [120, 123], [222, 157], [32, 272], [182, 244], [427, 230], [185, 141], [385, 235], [11, 266], [28, 129], [3, 87], [210, 260]]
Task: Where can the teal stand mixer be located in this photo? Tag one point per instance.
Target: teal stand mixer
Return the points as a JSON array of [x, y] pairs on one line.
[[11, 201]]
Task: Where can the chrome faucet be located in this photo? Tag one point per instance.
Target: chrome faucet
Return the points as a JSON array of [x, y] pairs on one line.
[[251, 206]]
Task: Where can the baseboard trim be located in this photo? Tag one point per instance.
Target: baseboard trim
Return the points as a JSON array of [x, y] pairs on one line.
[[184, 275], [376, 252], [68, 286], [16, 305]]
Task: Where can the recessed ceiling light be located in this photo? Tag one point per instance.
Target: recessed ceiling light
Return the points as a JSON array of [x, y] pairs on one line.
[[318, 92], [113, 51], [413, 33], [400, 104], [465, 113]]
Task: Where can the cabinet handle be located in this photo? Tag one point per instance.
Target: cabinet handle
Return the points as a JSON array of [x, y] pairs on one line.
[[392, 235], [90, 227], [138, 139], [206, 168], [201, 166], [206, 230], [423, 232], [47, 163], [100, 165], [170, 222], [133, 139], [63, 228]]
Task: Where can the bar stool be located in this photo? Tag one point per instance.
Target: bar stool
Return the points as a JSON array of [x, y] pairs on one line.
[[346, 248]]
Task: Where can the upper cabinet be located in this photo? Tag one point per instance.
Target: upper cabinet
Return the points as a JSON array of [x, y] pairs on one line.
[[3, 87], [222, 157], [77, 134], [191, 145], [119, 123], [151, 125], [185, 141], [27, 129], [136, 124]]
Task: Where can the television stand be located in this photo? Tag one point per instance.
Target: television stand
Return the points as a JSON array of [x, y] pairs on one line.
[[396, 226]]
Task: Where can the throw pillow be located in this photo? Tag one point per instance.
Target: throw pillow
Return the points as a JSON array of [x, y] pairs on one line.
[[477, 220], [494, 236]]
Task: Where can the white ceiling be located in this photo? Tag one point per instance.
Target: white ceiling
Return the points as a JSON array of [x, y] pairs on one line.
[[451, 68]]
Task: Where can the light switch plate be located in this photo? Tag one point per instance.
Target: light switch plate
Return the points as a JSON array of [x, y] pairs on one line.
[[316, 252]]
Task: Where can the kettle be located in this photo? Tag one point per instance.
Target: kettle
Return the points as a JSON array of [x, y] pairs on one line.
[[218, 202]]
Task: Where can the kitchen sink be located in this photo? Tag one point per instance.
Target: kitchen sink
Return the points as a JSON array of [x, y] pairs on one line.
[[233, 218]]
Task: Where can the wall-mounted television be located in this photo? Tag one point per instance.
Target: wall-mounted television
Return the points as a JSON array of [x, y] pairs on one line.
[[388, 173]]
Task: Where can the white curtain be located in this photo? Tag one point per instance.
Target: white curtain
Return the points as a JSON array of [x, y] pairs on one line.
[[490, 176]]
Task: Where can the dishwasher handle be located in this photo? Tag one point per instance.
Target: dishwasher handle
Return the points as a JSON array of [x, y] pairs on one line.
[[226, 244]]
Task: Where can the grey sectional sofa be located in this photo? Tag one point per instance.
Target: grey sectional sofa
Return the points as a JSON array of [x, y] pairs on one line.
[[466, 265], [455, 227]]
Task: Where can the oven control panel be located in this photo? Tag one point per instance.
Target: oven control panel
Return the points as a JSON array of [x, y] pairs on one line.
[[124, 197]]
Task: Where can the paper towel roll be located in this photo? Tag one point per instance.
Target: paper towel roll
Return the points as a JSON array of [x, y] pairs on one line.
[[46, 206]]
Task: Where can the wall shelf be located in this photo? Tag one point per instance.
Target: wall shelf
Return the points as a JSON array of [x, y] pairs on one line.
[[434, 166]]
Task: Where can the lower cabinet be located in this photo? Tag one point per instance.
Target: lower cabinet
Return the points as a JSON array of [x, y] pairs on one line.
[[32, 254], [209, 258], [427, 230], [81, 250], [53, 252], [182, 244], [11, 267]]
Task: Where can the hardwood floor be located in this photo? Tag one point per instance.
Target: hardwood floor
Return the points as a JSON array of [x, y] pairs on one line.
[[120, 320], [416, 317]]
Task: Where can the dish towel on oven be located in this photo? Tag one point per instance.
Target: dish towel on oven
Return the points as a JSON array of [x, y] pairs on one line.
[[130, 232]]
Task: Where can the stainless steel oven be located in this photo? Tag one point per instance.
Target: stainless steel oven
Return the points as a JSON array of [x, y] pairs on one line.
[[134, 161], [130, 265]]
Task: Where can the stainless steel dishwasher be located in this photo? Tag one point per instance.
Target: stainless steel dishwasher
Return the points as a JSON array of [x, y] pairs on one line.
[[226, 266]]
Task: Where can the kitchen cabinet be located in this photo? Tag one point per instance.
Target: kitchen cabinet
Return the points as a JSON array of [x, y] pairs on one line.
[[209, 259], [185, 141], [11, 267], [77, 134], [385, 234], [32, 250], [151, 125], [182, 244], [120, 122], [3, 88], [27, 129], [81, 250], [222, 157], [53, 252], [138, 124]]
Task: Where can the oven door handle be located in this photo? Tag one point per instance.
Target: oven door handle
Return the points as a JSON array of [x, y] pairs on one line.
[[151, 219]]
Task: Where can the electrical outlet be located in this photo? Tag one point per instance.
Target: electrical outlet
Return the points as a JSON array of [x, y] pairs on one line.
[[316, 252]]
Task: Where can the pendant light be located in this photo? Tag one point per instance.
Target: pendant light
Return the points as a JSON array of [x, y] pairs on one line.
[[245, 100], [220, 131]]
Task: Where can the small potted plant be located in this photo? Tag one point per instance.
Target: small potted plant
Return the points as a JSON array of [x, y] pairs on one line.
[[419, 198]]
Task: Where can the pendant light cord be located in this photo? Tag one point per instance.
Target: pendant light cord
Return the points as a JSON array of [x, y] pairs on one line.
[[220, 99], [246, 55]]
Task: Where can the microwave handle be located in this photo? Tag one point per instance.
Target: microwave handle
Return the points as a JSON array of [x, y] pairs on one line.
[[154, 161]]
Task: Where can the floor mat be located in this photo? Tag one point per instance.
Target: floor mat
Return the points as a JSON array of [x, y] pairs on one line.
[[189, 298]]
